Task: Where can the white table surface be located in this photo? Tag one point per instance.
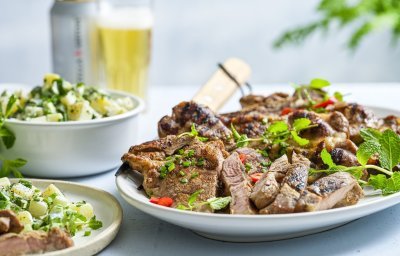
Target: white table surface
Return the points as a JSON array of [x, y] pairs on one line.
[[141, 234]]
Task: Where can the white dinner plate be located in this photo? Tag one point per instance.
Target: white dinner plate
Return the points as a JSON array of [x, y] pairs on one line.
[[254, 228], [106, 208]]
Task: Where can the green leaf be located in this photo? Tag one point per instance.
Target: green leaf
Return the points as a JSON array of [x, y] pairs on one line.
[[377, 181], [338, 96], [301, 124], [10, 105], [318, 83], [7, 137], [366, 150], [278, 127], [193, 197], [12, 167], [193, 130], [299, 140], [387, 185], [218, 203], [393, 184], [390, 149], [95, 224], [235, 133], [327, 158], [370, 134]]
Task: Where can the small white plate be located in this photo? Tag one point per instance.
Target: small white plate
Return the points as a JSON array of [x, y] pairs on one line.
[[106, 208], [255, 228]]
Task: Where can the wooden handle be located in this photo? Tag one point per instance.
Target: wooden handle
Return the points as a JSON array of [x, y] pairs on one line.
[[219, 88]]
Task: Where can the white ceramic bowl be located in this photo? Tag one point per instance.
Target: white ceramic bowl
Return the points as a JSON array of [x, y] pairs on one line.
[[74, 148]]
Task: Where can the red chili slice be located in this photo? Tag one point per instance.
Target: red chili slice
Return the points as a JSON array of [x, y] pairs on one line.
[[165, 201], [242, 157], [324, 104], [154, 200], [255, 177], [286, 111]]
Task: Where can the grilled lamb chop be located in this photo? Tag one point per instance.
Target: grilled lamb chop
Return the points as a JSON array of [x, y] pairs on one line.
[[34, 242], [9, 222], [352, 197], [195, 166], [273, 103], [206, 121], [359, 117], [326, 192], [267, 188], [236, 185], [293, 185], [254, 162]]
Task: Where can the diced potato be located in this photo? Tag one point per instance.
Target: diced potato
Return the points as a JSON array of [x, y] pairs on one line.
[[81, 111], [22, 191], [68, 99], [57, 117], [25, 218], [61, 200], [34, 111], [49, 79], [84, 209], [114, 109], [4, 182], [99, 104], [38, 208], [38, 119], [50, 190]]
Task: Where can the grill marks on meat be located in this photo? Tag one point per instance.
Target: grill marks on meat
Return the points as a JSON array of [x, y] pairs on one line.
[[249, 122], [293, 185], [326, 192], [148, 158], [34, 242], [236, 185], [187, 113]]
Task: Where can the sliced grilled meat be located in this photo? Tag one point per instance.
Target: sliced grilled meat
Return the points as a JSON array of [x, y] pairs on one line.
[[34, 242], [293, 185], [206, 121], [326, 192], [10, 222], [322, 130], [253, 161], [170, 173], [249, 122], [267, 188], [237, 185], [352, 197]]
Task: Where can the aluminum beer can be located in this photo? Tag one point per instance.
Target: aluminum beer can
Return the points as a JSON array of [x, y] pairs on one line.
[[74, 40]]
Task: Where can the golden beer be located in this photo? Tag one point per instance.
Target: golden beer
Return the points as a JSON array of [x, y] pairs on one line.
[[125, 40]]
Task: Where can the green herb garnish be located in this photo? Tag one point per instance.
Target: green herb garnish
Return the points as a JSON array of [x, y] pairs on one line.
[[193, 133]]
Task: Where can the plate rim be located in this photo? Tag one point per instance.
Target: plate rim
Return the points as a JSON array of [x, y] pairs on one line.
[[108, 233]]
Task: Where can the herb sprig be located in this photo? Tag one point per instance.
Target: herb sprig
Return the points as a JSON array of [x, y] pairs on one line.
[[193, 133], [215, 203], [386, 147], [277, 133]]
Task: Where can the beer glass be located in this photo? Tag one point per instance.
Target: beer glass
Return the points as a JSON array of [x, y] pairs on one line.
[[125, 43]]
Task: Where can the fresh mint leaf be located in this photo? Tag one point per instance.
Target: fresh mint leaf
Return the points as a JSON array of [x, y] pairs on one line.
[[366, 150], [386, 185], [278, 127], [327, 158], [12, 167], [390, 149], [299, 140], [241, 139], [7, 137], [301, 124], [318, 83], [369, 134], [193, 197], [10, 104], [339, 96], [218, 203]]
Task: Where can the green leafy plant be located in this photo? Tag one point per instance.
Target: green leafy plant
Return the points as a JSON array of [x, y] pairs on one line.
[[215, 203], [366, 15], [194, 133]]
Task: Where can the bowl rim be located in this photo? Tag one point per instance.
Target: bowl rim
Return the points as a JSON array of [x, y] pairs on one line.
[[140, 106]]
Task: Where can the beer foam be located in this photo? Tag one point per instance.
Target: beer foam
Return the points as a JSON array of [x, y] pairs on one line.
[[126, 18]]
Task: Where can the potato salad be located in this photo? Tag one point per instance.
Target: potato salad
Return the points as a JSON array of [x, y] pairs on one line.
[[58, 100], [43, 210]]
